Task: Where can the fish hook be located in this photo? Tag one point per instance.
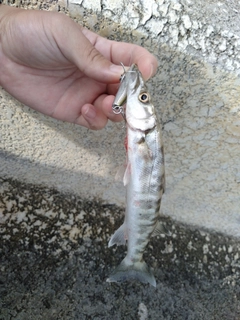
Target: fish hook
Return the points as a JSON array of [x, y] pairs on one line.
[[124, 72], [119, 110]]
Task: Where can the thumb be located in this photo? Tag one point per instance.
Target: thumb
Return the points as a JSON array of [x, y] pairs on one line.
[[96, 66], [82, 52]]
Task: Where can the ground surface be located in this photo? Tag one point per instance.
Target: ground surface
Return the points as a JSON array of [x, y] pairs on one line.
[[54, 262], [37, 286]]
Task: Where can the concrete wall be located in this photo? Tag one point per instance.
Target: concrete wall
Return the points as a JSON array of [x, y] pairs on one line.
[[196, 94]]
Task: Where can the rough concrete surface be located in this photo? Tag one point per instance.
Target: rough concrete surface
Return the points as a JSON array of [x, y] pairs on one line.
[[54, 258], [54, 262], [196, 94]]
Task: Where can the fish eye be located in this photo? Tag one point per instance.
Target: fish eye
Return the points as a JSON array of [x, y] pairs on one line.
[[143, 97]]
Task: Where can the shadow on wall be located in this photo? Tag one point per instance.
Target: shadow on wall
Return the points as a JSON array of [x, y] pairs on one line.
[[25, 170], [199, 108]]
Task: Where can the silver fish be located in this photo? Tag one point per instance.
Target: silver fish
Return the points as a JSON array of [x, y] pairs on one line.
[[144, 177]]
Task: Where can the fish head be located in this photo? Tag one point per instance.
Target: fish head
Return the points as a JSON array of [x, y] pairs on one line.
[[140, 112]]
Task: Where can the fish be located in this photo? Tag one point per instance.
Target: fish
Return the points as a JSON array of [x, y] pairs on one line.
[[144, 177]]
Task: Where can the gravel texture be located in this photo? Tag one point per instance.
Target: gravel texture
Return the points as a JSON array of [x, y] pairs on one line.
[[55, 261]]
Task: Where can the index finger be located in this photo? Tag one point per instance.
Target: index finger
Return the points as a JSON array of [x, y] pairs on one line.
[[126, 53]]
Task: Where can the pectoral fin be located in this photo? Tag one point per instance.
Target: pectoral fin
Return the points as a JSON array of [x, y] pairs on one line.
[[126, 177], [144, 150], [120, 173]]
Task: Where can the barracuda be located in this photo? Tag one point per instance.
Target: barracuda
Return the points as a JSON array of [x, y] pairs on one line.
[[144, 177]]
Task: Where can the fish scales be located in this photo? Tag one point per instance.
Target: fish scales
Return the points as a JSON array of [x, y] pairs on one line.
[[144, 177]]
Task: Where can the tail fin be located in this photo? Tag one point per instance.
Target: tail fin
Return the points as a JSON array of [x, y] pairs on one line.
[[137, 271]]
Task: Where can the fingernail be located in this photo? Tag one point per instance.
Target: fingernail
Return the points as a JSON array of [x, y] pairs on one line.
[[150, 74], [90, 113], [116, 69]]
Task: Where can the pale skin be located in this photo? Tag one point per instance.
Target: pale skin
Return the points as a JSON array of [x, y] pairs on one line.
[[57, 67]]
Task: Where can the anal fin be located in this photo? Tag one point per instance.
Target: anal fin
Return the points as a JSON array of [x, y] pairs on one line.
[[160, 229], [119, 237]]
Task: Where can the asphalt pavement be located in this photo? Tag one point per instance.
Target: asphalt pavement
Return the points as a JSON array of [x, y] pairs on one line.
[[54, 262]]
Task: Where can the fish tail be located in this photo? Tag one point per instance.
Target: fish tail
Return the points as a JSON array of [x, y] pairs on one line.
[[136, 271]]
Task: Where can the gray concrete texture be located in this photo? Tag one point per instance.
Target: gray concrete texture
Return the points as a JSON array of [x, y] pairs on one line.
[[196, 94], [56, 222]]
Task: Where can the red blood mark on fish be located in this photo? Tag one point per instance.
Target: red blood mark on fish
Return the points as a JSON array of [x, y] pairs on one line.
[[126, 143]]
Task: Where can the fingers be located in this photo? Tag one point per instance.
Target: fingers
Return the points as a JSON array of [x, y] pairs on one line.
[[100, 58], [83, 53], [126, 53], [91, 118], [106, 107], [95, 116]]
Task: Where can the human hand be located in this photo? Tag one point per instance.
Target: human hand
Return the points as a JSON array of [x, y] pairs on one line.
[[59, 68]]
